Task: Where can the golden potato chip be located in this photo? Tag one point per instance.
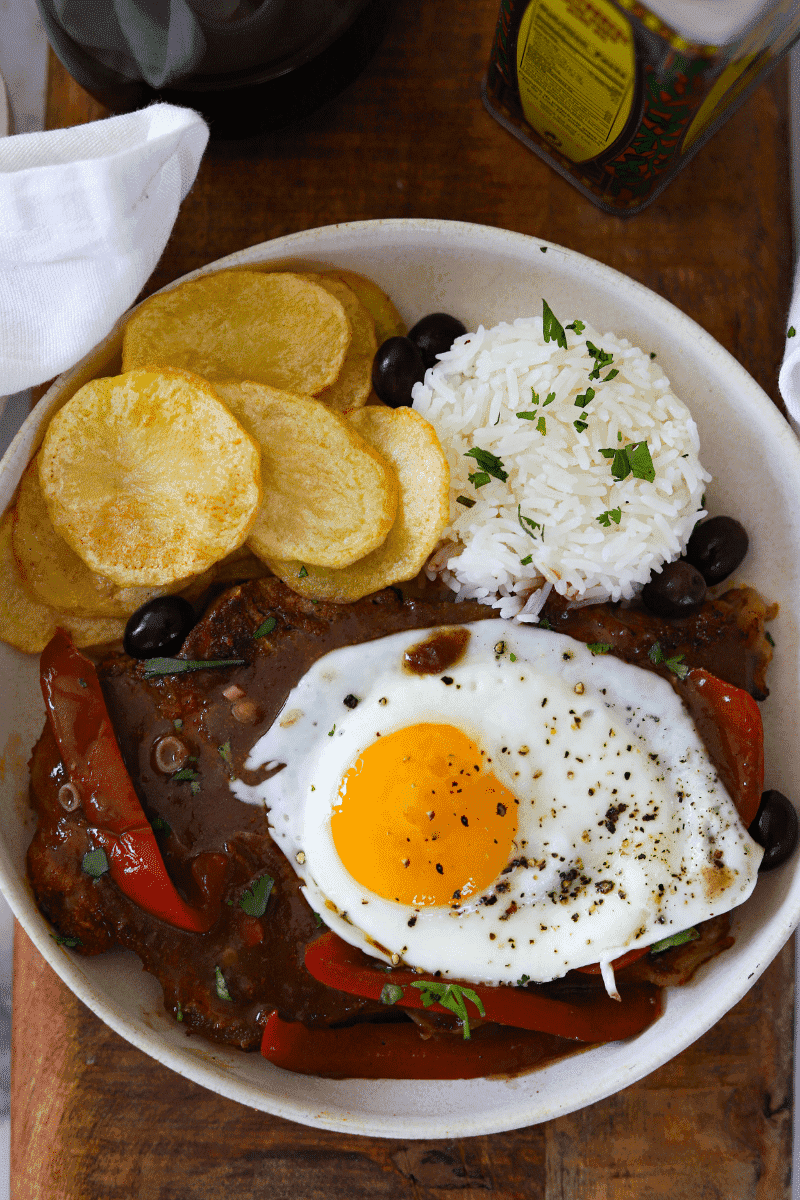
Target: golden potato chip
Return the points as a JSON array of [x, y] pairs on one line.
[[276, 328], [354, 383], [388, 322], [28, 624], [329, 498], [149, 478], [410, 444], [54, 572]]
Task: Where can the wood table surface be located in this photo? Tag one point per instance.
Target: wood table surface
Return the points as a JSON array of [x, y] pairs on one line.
[[94, 1118]]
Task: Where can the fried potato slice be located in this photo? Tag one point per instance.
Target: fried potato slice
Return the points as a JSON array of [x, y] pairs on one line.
[[149, 478], [410, 444], [54, 572], [27, 623], [354, 383], [388, 322], [329, 497], [276, 328]]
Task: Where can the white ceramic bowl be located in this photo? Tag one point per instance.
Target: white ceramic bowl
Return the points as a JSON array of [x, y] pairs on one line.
[[480, 275]]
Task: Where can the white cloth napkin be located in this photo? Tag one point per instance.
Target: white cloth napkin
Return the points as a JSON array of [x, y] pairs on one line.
[[789, 378], [85, 214]]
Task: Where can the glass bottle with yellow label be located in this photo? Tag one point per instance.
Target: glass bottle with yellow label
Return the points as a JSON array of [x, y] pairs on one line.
[[617, 96]]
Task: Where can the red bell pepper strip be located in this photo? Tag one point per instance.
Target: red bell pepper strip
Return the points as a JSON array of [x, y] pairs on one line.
[[79, 719], [597, 1018], [395, 1052]]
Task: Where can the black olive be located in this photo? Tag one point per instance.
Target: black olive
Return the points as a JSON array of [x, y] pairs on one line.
[[775, 828], [158, 627], [716, 548], [676, 591], [397, 366], [435, 334]]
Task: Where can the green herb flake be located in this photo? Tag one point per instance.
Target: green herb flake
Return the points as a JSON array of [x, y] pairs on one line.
[[578, 326], [220, 986], [479, 479], [586, 398], [598, 647], [652, 353], [194, 787], [550, 398], [302, 573], [179, 666], [791, 331], [527, 416], [453, 997], [331, 732], [634, 459], [552, 328], [601, 359], [95, 863], [769, 637], [177, 724], [543, 249], [254, 901], [185, 775], [675, 664], [266, 627], [676, 939], [528, 524], [527, 560], [159, 825], [488, 462], [541, 426], [611, 375], [545, 623], [61, 939], [179, 1012], [611, 514], [391, 993], [225, 752], [466, 501], [513, 656], [318, 920], [523, 979]]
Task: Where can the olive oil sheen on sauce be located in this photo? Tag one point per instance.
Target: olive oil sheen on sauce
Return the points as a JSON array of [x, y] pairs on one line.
[[616, 95]]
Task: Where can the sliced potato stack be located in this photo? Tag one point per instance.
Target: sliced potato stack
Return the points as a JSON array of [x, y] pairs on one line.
[[409, 443], [279, 329], [149, 478], [327, 494]]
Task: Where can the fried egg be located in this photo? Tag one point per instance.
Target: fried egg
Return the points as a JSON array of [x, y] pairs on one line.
[[532, 809]]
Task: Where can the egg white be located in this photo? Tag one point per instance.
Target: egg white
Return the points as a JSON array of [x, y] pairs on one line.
[[575, 736]]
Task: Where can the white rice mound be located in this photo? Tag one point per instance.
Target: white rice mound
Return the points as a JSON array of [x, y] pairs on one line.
[[558, 478]]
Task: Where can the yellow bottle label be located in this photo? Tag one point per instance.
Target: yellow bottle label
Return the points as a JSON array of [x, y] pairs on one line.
[[576, 74]]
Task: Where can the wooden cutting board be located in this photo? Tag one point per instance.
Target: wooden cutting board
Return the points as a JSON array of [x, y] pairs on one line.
[[93, 1118]]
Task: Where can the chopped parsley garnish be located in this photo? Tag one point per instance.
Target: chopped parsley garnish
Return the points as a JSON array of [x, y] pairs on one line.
[[266, 627], [95, 863], [528, 416], [527, 560], [611, 514], [634, 459], [225, 752], [676, 939], [453, 997], [391, 993], [541, 425], [254, 901], [179, 1012], [159, 825], [179, 666], [466, 501], [62, 940], [523, 979], [769, 637], [652, 353], [545, 623], [331, 732], [577, 325], [791, 331], [185, 775], [581, 425], [674, 664], [220, 986], [479, 479], [585, 398], [598, 647], [611, 375], [552, 328], [528, 524], [488, 462], [302, 573], [549, 400], [601, 359]]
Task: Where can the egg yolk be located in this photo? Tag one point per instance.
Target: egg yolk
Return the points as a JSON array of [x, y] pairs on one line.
[[420, 818]]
